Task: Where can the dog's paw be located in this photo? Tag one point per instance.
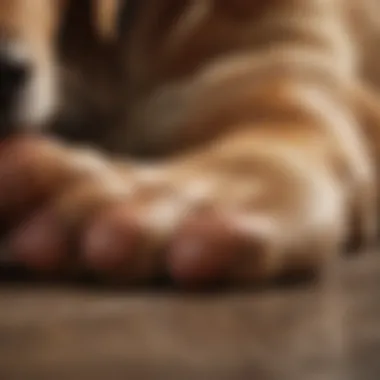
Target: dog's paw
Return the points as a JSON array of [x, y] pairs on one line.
[[198, 222]]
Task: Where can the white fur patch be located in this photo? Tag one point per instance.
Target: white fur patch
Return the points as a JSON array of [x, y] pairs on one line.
[[149, 175], [198, 191], [39, 99], [89, 161], [163, 215]]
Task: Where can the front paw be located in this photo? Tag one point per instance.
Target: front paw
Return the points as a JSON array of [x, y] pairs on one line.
[[69, 209]]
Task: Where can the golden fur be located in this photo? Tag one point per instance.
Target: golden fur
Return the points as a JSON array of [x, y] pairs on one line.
[[244, 134]]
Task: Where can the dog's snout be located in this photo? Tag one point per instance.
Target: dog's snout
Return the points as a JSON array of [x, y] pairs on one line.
[[13, 75]]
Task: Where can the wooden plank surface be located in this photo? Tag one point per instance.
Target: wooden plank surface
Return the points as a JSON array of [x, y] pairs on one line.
[[329, 330]]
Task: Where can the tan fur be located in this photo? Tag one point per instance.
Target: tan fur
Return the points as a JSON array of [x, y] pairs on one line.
[[266, 110]]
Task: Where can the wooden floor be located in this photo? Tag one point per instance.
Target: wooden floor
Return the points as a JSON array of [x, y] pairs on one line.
[[322, 331]]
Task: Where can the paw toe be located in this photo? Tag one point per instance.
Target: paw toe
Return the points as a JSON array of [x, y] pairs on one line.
[[111, 241], [202, 251], [40, 243]]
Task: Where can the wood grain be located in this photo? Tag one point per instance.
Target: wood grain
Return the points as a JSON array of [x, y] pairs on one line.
[[329, 330]]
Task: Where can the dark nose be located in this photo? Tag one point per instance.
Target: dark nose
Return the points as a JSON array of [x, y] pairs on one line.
[[13, 75]]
